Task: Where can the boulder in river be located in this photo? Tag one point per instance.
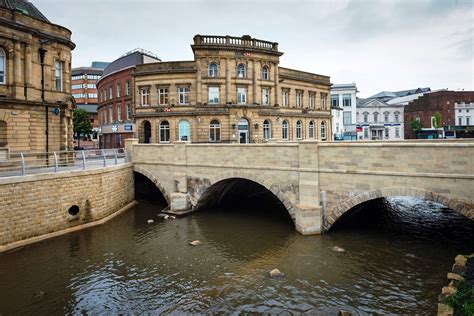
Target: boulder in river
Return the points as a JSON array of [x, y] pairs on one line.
[[275, 273], [150, 221], [338, 249], [163, 216], [195, 243]]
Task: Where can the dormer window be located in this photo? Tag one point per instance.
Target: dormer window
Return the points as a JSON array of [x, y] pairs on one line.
[[241, 71], [213, 70]]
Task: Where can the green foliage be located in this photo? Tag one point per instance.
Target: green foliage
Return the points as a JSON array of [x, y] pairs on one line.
[[462, 301], [81, 122], [437, 117], [415, 125]]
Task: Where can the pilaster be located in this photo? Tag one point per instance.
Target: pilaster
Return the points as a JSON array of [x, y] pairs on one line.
[[228, 94]]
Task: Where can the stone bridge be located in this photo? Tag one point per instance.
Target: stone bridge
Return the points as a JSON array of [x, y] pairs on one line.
[[316, 181]]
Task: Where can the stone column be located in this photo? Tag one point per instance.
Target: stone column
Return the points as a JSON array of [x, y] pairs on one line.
[[277, 86], [28, 65], [228, 94], [198, 82], [254, 81], [308, 215]]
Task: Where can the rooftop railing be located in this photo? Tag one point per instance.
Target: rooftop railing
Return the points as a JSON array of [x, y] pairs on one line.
[[22, 163], [245, 41]]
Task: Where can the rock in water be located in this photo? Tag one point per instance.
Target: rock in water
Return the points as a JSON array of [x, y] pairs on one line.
[[150, 221], [162, 216], [275, 272], [195, 243], [172, 217], [338, 249]]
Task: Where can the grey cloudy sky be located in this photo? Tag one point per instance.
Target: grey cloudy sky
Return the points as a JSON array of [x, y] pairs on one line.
[[380, 45]]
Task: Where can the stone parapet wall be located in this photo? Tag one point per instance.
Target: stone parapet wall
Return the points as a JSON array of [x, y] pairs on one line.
[[36, 205]]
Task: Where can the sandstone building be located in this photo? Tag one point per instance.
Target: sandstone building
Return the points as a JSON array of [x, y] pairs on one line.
[[34, 117], [233, 91]]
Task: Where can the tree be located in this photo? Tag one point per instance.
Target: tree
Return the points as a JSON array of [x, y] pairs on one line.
[[415, 126], [437, 120], [82, 124]]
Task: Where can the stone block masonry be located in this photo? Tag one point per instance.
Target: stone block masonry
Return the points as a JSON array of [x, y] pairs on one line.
[[37, 205]]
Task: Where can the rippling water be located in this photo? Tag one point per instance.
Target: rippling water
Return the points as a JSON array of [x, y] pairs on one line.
[[396, 260]]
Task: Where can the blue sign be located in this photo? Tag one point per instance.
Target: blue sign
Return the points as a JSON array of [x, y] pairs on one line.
[[128, 127]]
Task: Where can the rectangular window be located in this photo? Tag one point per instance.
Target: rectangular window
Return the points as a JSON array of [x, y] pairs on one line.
[[346, 99], [397, 132], [335, 100], [92, 95], [163, 94], [286, 97], [77, 86], [467, 120], [266, 96], [241, 95], [323, 101], [129, 111], [183, 93], [127, 88], [144, 96], [347, 117], [110, 93], [459, 120], [213, 95], [299, 99], [385, 117], [77, 77], [91, 86], [119, 112], [58, 75], [366, 133], [312, 100], [111, 115], [117, 91], [386, 132]]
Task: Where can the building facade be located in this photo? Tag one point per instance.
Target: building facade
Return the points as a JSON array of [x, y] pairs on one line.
[[84, 90], [116, 98], [464, 121], [439, 104], [233, 91], [35, 115], [344, 96], [377, 120]]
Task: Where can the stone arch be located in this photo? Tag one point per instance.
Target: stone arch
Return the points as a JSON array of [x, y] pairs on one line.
[[334, 213], [266, 183], [153, 179]]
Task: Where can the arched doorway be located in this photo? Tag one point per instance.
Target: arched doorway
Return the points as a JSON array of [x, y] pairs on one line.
[[146, 132], [244, 131]]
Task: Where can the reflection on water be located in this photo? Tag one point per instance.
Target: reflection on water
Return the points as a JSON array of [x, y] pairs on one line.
[[396, 259]]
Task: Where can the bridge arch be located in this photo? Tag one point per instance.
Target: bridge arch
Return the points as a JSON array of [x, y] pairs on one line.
[[335, 213], [262, 181], [153, 179]]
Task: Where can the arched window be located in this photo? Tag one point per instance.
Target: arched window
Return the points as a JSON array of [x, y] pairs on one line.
[[213, 70], [299, 130], [3, 67], [215, 131], [164, 132], [376, 117], [241, 71], [284, 130], [184, 131], [311, 130], [267, 129], [3, 134], [146, 132], [323, 130], [265, 73]]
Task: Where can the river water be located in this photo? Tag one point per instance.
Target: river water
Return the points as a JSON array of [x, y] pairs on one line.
[[397, 255]]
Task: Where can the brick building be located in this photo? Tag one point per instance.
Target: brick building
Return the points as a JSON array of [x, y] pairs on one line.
[[34, 116], [425, 109], [116, 98], [233, 91]]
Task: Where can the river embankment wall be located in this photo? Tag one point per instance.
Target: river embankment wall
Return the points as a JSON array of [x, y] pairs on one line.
[[39, 206]]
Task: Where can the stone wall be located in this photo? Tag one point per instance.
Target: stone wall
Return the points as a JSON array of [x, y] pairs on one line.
[[36, 205]]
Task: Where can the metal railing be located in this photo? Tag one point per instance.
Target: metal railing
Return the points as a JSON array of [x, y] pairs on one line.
[[22, 163]]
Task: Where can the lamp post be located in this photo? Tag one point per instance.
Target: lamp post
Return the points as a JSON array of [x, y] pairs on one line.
[[42, 53]]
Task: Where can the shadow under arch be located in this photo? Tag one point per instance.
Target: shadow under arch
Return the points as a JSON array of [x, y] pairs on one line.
[[240, 185], [340, 210], [153, 179]]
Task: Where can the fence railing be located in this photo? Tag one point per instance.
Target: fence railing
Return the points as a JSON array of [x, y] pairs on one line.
[[26, 163]]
